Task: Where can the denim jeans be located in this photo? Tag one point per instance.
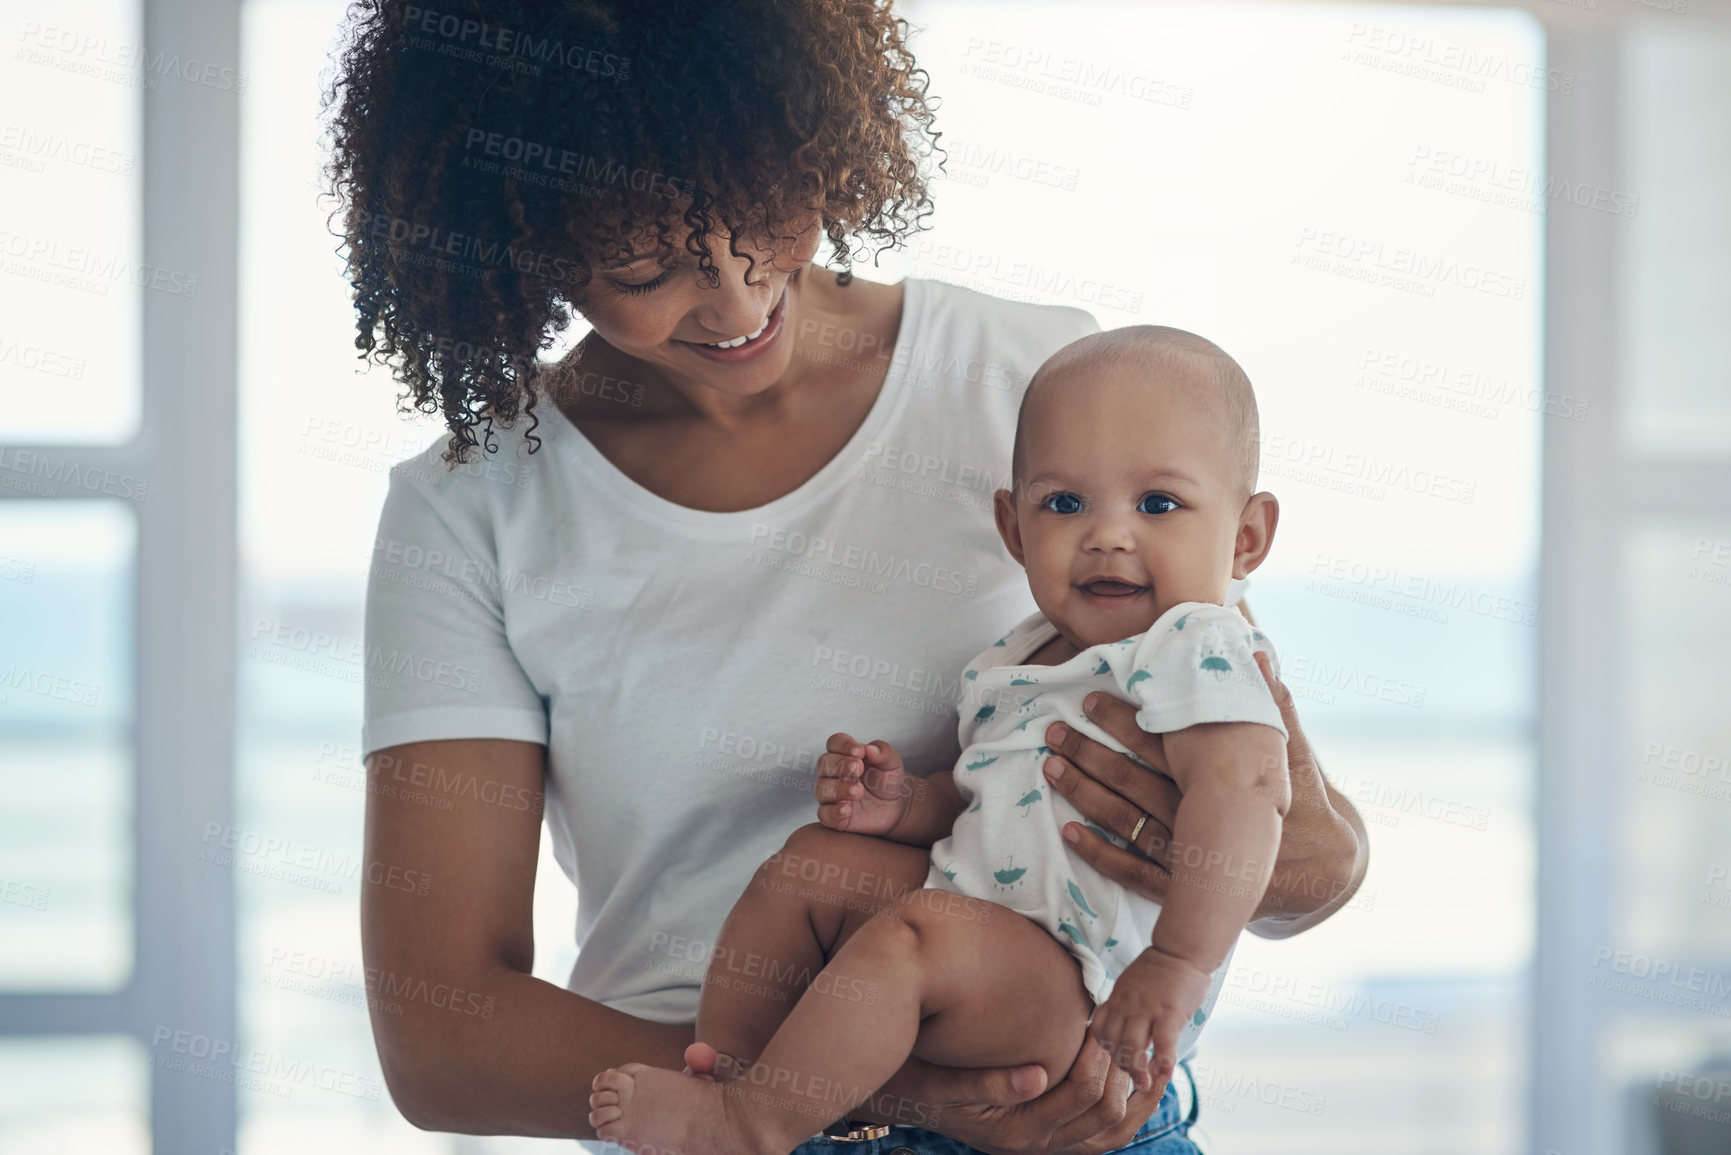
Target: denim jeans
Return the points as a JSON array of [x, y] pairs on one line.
[[1165, 1133]]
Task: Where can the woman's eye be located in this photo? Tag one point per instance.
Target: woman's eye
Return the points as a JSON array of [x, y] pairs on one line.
[[1157, 503], [1062, 503], [645, 286]]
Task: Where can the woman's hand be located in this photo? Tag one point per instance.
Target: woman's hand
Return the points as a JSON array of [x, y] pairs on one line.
[[1323, 849], [1002, 1110]]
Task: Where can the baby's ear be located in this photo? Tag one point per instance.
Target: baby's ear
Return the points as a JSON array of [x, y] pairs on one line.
[[1004, 510], [1255, 533]]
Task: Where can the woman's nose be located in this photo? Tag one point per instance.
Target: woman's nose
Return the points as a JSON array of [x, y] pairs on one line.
[[734, 308]]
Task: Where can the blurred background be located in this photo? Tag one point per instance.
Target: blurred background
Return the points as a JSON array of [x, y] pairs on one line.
[[1477, 260]]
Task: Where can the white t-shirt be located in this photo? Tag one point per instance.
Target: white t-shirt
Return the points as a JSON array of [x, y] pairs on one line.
[[682, 667]]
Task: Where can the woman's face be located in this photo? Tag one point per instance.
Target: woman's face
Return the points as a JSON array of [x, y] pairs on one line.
[[665, 315]]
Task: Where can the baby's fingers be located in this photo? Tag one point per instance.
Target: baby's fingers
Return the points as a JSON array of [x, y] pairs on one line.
[[1165, 1040], [881, 754], [1133, 1054], [838, 787], [837, 765], [843, 743], [836, 781], [1135, 1041], [1107, 1029]]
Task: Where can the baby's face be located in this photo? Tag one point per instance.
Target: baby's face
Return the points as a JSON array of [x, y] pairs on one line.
[[1131, 500]]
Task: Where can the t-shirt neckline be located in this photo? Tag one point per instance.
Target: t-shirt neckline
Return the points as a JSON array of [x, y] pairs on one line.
[[576, 446]]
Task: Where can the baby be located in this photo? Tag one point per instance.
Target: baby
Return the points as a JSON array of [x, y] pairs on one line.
[[1132, 509]]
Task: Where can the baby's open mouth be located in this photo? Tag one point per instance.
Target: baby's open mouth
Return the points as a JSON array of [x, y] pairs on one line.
[[1107, 588]]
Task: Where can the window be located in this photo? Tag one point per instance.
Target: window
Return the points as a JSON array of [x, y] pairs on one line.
[[117, 582], [73, 272]]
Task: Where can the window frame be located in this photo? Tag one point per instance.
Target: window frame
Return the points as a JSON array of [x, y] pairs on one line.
[[184, 599], [1594, 491]]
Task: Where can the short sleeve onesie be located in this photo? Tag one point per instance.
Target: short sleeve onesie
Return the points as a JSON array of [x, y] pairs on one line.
[[1193, 665]]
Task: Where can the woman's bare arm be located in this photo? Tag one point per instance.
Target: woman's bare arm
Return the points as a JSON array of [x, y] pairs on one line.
[[1339, 848], [468, 1039], [1323, 862], [522, 1063]]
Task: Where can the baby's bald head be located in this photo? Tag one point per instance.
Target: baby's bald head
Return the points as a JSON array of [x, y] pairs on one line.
[[1198, 370]]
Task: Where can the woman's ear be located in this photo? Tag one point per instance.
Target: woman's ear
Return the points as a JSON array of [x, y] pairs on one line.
[[1255, 533], [1004, 510]]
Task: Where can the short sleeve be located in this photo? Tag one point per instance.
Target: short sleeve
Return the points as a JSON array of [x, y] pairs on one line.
[[1196, 664], [438, 662]]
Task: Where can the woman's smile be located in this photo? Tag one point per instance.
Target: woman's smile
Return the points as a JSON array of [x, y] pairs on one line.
[[750, 347]]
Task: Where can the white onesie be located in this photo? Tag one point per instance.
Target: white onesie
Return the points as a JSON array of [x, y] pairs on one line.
[[1193, 665]]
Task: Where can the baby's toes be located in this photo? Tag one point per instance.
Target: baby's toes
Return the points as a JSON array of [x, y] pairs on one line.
[[611, 1094], [613, 1086], [620, 1079]]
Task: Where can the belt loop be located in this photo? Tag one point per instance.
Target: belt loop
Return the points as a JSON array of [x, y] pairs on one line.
[[1195, 1099]]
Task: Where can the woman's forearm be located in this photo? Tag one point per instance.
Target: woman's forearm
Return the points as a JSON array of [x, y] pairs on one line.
[[1307, 891], [521, 1064], [1325, 850], [468, 1039]]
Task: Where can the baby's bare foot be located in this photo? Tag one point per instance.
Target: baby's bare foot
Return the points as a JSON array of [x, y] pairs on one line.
[[659, 1112]]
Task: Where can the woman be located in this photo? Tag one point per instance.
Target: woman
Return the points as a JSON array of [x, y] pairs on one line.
[[750, 509]]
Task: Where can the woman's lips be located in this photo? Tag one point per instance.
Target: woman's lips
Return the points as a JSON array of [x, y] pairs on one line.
[[753, 348]]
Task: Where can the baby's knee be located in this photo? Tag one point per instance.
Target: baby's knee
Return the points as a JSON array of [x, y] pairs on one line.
[[923, 927], [811, 866], [808, 858], [898, 927], [845, 874], [813, 842], [927, 915]]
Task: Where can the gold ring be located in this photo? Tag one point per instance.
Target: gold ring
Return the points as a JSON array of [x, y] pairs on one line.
[[1138, 828]]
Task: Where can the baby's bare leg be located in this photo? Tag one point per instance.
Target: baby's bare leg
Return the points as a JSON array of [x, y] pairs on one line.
[[933, 976], [937, 976], [803, 904]]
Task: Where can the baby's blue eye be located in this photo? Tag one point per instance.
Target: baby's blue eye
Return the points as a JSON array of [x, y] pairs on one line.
[[1157, 503], [1062, 503]]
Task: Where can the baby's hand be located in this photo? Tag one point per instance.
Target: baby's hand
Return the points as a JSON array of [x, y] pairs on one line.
[[861, 789], [1151, 1002]]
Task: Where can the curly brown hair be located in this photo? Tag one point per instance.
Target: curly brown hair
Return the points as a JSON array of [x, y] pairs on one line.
[[488, 154]]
